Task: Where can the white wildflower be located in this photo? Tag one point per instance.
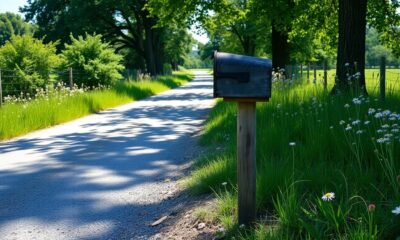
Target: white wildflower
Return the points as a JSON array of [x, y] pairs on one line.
[[329, 196], [371, 111], [396, 210], [356, 101]]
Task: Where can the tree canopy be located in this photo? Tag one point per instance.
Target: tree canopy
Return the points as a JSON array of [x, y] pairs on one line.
[[12, 24]]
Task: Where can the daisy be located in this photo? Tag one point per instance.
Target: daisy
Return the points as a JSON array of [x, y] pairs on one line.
[[330, 196]]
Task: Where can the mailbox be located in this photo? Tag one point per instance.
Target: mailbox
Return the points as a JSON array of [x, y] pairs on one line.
[[242, 77]]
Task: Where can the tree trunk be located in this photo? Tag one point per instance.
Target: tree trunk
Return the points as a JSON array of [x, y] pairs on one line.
[[351, 49], [280, 48], [149, 53]]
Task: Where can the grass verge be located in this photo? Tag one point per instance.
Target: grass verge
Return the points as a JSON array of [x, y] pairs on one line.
[[21, 118], [346, 145]]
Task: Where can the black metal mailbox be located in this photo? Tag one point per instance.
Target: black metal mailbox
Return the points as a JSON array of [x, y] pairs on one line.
[[242, 77]]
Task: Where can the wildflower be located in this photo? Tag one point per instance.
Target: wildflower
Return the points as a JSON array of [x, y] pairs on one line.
[[395, 130], [292, 144], [388, 135], [356, 122], [385, 126], [371, 111], [330, 196], [383, 140], [371, 207], [378, 115], [242, 226], [224, 183], [347, 64], [346, 105], [396, 210], [356, 101], [359, 132], [366, 122], [331, 127], [348, 128], [386, 113], [380, 131], [342, 122]]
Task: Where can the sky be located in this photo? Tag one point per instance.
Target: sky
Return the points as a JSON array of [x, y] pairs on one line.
[[13, 6]]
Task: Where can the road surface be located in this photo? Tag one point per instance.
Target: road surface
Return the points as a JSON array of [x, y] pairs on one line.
[[104, 176]]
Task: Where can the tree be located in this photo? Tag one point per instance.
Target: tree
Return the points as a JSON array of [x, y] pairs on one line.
[[12, 24], [126, 24], [29, 63], [351, 48], [95, 61]]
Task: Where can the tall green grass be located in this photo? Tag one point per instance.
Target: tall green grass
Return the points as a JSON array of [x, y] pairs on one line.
[[326, 158], [19, 119]]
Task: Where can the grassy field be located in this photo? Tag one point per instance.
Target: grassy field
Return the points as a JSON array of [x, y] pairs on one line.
[[371, 76], [310, 143], [21, 118]]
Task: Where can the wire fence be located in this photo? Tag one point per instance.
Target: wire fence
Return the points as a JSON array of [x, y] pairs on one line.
[[383, 79]]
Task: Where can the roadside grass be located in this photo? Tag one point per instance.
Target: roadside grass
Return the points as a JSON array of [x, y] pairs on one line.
[[346, 145], [20, 118]]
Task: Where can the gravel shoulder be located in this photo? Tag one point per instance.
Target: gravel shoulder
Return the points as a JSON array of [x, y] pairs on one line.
[[110, 175]]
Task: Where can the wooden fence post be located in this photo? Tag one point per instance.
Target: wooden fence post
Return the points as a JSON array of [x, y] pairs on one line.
[[308, 72], [315, 73], [301, 71], [1, 91], [71, 78], [382, 78], [325, 74], [246, 162]]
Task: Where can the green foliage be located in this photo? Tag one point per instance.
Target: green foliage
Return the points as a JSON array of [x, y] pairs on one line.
[[20, 118], [12, 24], [94, 61], [28, 62]]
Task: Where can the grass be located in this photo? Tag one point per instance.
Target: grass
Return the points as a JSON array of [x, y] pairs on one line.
[[352, 163], [21, 118]]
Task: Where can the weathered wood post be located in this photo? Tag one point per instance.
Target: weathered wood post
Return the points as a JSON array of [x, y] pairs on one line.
[[325, 74], [245, 80], [71, 78], [382, 78], [1, 91], [246, 161]]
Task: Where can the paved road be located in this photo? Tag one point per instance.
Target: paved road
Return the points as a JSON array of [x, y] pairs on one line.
[[102, 176]]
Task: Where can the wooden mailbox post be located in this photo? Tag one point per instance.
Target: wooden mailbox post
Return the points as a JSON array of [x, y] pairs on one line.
[[245, 80]]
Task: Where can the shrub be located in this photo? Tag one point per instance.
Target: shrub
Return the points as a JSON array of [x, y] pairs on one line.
[[27, 63], [93, 62]]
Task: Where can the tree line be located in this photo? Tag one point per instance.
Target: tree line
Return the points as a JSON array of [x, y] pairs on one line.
[[152, 33]]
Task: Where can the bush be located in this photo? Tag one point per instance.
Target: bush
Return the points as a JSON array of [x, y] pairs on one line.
[[93, 62], [27, 63]]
